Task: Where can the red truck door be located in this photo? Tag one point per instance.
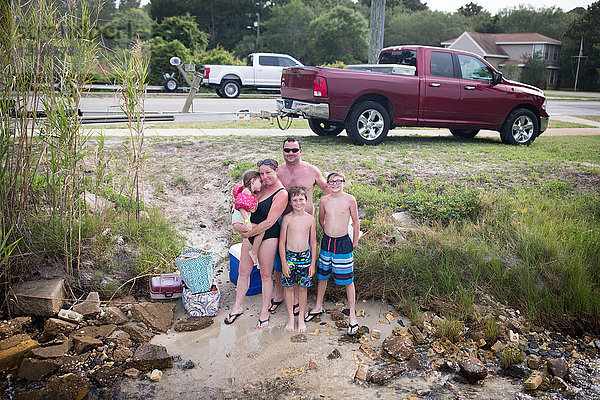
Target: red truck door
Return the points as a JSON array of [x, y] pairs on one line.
[[441, 103], [483, 102]]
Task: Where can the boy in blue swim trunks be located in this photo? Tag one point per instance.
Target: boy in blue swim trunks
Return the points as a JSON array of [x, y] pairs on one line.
[[298, 247], [337, 250]]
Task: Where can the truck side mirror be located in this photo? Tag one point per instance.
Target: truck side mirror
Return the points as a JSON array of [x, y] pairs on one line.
[[498, 77]]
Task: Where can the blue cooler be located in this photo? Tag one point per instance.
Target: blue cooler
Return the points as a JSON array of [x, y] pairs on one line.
[[234, 267]]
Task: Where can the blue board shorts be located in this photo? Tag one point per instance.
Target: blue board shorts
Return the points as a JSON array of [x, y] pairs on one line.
[[299, 263], [336, 256]]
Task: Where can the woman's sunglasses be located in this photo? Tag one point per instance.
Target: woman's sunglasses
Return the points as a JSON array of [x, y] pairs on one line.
[[267, 161], [295, 150]]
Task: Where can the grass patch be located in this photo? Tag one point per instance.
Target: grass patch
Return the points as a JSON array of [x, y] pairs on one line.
[[564, 124], [511, 355], [450, 328]]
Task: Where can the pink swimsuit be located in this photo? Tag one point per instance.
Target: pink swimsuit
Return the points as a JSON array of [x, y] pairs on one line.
[[248, 202]]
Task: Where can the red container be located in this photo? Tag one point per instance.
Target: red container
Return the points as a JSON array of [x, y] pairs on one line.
[[166, 286]]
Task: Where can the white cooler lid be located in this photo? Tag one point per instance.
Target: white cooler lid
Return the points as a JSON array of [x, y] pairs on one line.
[[236, 250]]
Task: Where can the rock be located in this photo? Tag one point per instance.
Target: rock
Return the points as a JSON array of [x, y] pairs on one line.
[[337, 315], [361, 372], [151, 356], [101, 331], [52, 351], [517, 371], [375, 334], [534, 381], [34, 370], [417, 362], [437, 321], [448, 366], [85, 343], [70, 316], [121, 354], [472, 369], [54, 326], [120, 338], [66, 387], [114, 315], [417, 334], [189, 364], [513, 337], [43, 297], [90, 307], [557, 367], [193, 324], [497, 347], [312, 365], [158, 316], [14, 326], [399, 347], [13, 350], [96, 203], [106, 376], [341, 324], [386, 373], [138, 333], [156, 375], [300, 338], [334, 354], [534, 362], [131, 373]]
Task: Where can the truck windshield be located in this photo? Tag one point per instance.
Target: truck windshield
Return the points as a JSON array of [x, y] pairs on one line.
[[401, 57]]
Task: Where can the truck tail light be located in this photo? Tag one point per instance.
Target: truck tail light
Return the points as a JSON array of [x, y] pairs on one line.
[[320, 89], [206, 73]]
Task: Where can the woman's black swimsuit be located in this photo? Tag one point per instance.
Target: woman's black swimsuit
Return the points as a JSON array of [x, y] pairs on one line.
[[260, 215]]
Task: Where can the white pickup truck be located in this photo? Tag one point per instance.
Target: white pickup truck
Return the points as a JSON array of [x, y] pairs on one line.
[[262, 71]]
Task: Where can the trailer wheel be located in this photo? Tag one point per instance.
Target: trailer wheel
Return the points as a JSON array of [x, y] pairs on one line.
[[325, 128], [465, 133], [170, 84], [368, 123], [219, 93], [230, 89]]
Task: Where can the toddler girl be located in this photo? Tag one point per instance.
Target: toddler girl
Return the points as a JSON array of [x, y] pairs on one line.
[[246, 202]]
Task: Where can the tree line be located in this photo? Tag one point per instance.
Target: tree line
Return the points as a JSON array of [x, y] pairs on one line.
[[325, 32]]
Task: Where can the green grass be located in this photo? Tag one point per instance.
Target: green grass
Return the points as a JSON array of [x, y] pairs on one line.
[[563, 124]]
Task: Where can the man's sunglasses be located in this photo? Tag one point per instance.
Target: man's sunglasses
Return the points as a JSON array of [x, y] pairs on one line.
[[295, 150], [267, 161]]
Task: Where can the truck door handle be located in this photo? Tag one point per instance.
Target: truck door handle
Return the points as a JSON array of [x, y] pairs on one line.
[[434, 85], [469, 87]]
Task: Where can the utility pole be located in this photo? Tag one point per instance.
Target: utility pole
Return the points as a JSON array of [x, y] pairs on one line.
[[579, 57], [377, 23]]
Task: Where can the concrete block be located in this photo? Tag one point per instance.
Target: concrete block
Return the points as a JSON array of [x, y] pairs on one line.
[[43, 297]]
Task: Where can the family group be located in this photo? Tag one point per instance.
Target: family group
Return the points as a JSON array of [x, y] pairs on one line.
[[274, 214]]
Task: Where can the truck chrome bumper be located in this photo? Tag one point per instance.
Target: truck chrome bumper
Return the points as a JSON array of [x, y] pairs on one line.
[[305, 109], [544, 124]]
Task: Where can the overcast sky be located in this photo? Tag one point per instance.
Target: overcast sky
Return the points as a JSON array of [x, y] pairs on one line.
[[493, 6]]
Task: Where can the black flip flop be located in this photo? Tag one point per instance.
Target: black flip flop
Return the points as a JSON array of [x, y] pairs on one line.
[[311, 315], [230, 318], [296, 309], [274, 305], [352, 329], [261, 322]]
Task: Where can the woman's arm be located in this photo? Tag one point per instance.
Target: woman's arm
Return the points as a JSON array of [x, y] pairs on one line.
[[280, 201]]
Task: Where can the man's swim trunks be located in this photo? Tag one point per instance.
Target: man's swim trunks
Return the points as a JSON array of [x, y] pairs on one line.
[[337, 256], [299, 263]]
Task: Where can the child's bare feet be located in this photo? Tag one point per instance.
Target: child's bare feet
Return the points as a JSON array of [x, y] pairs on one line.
[[301, 325], [290, 326], [254, 257]]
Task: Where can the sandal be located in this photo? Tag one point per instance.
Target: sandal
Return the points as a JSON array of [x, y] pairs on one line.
[[274, 305], [352, 329], [311, 315], [262, 324], [230, 318], [296, 309]]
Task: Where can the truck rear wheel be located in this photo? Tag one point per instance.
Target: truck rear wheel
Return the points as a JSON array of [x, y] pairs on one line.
[[368, 123], [521, 127], [325, 128], [230, 89], [465, 133]]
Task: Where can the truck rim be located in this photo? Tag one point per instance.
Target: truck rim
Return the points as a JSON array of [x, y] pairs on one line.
[[370, 124], [522, 129]]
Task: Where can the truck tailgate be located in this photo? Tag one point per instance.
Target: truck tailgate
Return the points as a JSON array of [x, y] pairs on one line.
[[298, 83]]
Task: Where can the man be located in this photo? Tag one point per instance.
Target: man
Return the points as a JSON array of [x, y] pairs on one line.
[[296, 172]]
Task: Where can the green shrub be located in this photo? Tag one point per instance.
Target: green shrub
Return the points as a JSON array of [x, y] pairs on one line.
[[510, 355], [490, 330], [451, 328]]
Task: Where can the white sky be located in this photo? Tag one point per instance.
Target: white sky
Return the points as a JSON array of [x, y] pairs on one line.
[[493, 6]]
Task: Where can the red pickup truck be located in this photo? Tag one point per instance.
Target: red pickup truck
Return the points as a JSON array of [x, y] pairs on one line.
[[420, 86]]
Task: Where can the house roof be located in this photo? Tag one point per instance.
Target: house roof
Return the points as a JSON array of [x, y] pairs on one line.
[[490, 42]]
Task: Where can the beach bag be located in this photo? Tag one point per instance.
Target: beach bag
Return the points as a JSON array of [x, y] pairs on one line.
[[205, 304], [197, 269]]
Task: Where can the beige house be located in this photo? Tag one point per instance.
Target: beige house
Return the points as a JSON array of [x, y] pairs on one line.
[[505, 51]]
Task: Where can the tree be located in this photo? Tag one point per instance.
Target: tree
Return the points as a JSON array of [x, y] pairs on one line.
[[184, 29], [416, 28], [161, 52], [125, 5], [585, 27], [551, 22], [470, 10], [414, 5], [338, 35], [126, 27], [534, 71]]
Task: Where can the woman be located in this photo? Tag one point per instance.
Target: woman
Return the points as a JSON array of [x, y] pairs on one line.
[[272, 201]]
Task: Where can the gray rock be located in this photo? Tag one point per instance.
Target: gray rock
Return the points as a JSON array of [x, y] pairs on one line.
[[334, 354], [400, 347], [106, 376], [119, 338], [43, 297], [472, 369], [54, 326], [138, 333], [70, 316], [386, 373], [517, 371], [151, 356], [417, 334], [121, 354], [34, 370], [83, 343], [189, 364], [90, 307], [193, 324], [114, 315], [158, 316], [52, 351], [96, 203], [101, 331], [557, 367]]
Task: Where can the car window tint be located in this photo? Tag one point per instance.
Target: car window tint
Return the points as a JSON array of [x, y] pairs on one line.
[[441, 64], [401, 57], [249, 61], [473, 69], [286, 62], [268, 61]]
